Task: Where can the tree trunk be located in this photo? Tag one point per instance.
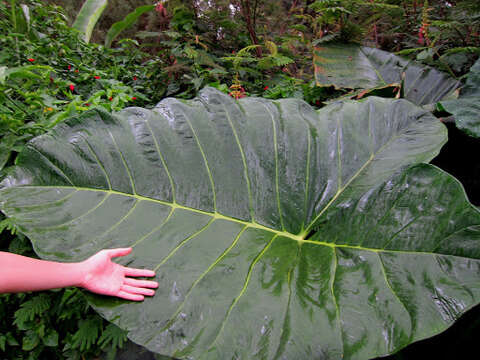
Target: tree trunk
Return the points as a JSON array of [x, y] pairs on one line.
[[250, 19]]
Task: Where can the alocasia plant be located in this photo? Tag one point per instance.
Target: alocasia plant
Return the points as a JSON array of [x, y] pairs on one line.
[[466, 109], [361, 67], [366, 70], [276, 231]]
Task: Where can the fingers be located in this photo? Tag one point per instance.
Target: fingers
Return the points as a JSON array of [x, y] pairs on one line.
[[137, 290], [127, 296], [141, 283], [118, 252], [138, 272]]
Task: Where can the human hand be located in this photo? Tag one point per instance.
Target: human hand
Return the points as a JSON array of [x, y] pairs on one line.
[[102, 276]]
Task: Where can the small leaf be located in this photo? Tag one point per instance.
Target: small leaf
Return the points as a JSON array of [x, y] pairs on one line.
[[127, 22], [3, 342], [51, 339], [11, 341], [30, 340]]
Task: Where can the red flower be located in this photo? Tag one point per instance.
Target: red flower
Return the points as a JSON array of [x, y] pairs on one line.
[[134, 78], [31, 60], [71, 87], [76, 70], [266, 87], [317, 102], [134, 98], [97, 77], [51, 79], [160, 9], [421, 37], [237, 94], [110, 98], [69, 67], [87, 104]]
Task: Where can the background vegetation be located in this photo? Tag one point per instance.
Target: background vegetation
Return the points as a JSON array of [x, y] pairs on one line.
[[242, 47]]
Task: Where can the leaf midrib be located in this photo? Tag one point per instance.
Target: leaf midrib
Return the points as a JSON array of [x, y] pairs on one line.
[[218, 216]]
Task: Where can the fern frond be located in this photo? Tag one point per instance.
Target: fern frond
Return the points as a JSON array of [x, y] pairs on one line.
[[299, 27], [246, 50], [410, 51], [272, 47], [87, 333], [31, 308], [281, 60], [112, 335], [325, 39], [9, 225], [466, 49]]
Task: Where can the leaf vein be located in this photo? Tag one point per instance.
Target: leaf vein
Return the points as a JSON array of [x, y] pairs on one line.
[[212, 184], [117, 223], [373, 67], [242, 291], [183, 242], [334, 298], [275, 150], [50, 162], [155, 229], [194, 284], [162, 160], [385, 276], [249, 224], [99, 163], [305, 205], [337, 194], [124, 162], [78, 217], [245, 168], [47, 203]]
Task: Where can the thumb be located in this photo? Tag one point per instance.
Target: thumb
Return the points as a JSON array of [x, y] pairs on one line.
[[118, 252]]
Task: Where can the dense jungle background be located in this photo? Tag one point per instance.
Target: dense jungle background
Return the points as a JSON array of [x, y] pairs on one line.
[[50, 71]]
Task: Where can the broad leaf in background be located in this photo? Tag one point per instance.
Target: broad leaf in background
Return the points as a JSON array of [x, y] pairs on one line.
[[360, 67], [127, 22], [6, 145], [88, 16], [275, 231], [466, 109]]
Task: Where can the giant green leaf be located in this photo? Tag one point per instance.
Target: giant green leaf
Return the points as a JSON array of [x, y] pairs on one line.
[[360, 67], [466, 109], [127, 22], [275, 231], [88, 16]]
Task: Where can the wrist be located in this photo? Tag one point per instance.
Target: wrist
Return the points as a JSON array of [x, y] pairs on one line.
[[77, 273]]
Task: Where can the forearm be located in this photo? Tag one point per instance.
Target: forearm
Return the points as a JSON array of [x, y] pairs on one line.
[[20, 274]]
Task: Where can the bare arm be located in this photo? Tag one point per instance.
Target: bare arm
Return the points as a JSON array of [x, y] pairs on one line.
[[97, 274]]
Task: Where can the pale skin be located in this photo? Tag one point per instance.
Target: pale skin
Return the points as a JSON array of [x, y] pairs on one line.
[[98, 274]]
